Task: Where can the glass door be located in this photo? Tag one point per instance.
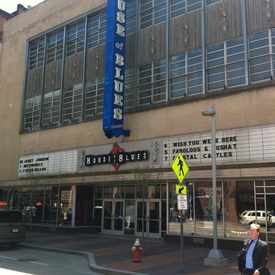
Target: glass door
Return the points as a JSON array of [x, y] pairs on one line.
[[148, 218], [141, 210], [107, 215], [153, 222], [113, 216], [118, 207]]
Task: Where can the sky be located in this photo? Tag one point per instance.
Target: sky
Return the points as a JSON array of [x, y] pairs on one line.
[[11, 5]]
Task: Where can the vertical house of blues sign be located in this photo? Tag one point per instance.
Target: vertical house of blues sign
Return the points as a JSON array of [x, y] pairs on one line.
[[114, 87]]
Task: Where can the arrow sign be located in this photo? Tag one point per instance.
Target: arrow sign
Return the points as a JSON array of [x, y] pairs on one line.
[[181, 189]]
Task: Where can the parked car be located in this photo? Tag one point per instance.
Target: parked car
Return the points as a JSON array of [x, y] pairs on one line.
[[11, 229], [273, 217], [243, 213], [249, 216]]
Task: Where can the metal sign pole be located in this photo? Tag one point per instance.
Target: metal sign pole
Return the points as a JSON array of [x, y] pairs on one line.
[[143, 208], [181, 169], [181, 238]]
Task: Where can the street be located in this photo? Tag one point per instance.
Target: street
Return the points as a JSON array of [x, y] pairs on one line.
[[21, 261]]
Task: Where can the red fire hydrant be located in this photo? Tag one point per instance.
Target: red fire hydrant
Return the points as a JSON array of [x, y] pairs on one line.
[[136, 252]]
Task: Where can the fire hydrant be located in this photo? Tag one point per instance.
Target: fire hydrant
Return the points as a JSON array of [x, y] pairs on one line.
[[136, 252]]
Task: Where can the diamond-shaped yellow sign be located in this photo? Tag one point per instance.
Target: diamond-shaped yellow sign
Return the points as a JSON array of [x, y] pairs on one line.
[[180, 167], [181, 189]]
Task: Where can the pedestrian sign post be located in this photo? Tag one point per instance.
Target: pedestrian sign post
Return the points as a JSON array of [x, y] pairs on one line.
[[180, 167]]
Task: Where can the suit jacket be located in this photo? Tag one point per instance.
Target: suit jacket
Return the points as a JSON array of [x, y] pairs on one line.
[[260, 257]]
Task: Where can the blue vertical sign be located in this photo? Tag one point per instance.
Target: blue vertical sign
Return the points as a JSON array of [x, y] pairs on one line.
[[114, 87]]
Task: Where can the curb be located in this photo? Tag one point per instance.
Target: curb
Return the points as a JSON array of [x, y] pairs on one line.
[[91, 260]]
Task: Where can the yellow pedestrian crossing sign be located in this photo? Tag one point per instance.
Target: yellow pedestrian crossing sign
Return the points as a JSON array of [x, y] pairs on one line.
[[180, 167], [181, 189]]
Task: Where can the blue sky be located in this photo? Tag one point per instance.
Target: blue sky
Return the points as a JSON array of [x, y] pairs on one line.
[[10, 5]]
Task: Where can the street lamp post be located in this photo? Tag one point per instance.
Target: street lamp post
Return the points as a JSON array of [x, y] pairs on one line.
[[215, 256]]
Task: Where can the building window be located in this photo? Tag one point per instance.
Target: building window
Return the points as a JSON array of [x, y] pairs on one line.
[[65, 206], [44, 205], [193, 5], [152, 12], [145, 84], [36, 52], [37, 202], [178, 82], [96, 30], [146, 13], [178, 7], [130, 89], [199, 208], [51, 109], [160, 11], [51, 204], [22, 201], [186, 74], [259, 57], [159, 84], [152, 83], [72, 105], [32, 111], [194, 70], [75, 38], [55, 46], [235, 67], [226, 65], [215, 67], [93, 100], [238, 203], [273, 50], [131, 16], [209, 2]]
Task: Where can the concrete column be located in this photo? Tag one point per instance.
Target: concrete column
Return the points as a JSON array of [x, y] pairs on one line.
[[230, 201], [74, 204]]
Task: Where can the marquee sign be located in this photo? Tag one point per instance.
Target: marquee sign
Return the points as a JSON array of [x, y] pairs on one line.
[[55, 163], [116, 157], [234, 146], [114, 87]]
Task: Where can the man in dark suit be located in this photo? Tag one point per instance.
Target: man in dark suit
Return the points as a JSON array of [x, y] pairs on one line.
[[254, 255]]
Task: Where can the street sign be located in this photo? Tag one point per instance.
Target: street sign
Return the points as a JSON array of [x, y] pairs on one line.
[[181, 189], [182, 202], [180, 167]]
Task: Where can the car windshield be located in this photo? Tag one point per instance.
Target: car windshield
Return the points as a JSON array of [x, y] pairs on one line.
[[10, 217]]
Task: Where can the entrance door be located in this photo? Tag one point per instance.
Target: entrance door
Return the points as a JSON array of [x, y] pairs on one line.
[[148, 218], [113, 215], [84, 199]]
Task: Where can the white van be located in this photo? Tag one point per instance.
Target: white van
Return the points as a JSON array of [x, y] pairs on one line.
[[251, 216]]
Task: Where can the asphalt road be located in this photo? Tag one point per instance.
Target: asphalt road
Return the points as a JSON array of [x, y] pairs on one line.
[[22, 261]]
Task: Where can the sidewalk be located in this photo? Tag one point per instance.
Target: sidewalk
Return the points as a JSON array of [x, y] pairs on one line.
[[159, 257]]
